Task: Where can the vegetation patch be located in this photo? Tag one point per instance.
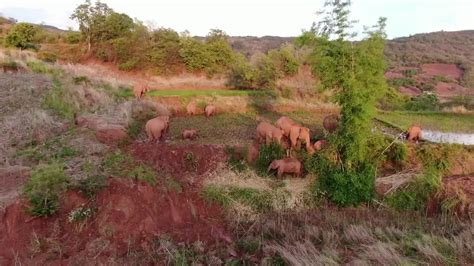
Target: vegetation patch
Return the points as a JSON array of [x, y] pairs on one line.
[[123, 165], [259, 201], [44, 187], [267, 154]]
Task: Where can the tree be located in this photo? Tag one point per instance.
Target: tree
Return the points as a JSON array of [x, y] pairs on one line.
[[22, 36], [91, 20], [356, 72]]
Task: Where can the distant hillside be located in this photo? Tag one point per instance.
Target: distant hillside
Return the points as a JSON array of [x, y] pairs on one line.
[[455, 47], [437, 47]]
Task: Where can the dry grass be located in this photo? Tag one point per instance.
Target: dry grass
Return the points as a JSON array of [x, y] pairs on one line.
[[361, 237], [285, 194]]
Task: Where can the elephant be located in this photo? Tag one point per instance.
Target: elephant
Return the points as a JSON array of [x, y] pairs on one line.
[[253, 152], [269, 133], [189, 134], [157, 127], [413, 133], [139, 90], [300, 133], [285, 123], [331, 123], [210, 110], [191, 108], [320, 144], [286, 165]]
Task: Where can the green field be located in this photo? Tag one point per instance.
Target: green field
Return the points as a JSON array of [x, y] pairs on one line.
[[446, 122]]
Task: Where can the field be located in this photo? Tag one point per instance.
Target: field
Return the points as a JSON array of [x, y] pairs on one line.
[[77, 166], [446, 122]]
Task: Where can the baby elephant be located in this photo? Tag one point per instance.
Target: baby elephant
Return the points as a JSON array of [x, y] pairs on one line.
[[139, 90], [189, 134], [157, 127], [191, 108], [210, 110], [268, 133], [414, 133], [286, 165]]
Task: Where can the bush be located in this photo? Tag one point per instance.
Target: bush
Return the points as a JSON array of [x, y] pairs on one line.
[[241, 75], [397, 153], [267, 74], [424, 102], [91, 185], [410, 72], [342, 186], [10, 65], [402, 82], [73, 37], [128, 65], [267, 154], [415, 196], [43, 188], [22, 36], [393, 100]]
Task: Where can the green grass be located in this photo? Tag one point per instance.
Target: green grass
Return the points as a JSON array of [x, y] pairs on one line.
[[447, 122], [228, 128], [260, 201], [216, 92]]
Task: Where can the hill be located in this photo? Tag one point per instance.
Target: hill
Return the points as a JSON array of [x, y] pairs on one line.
[[437, 47]]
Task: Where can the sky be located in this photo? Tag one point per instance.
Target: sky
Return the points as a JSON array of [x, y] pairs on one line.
[[257, 17]]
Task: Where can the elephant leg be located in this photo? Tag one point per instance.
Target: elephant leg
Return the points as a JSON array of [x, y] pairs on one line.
[[280, 172]]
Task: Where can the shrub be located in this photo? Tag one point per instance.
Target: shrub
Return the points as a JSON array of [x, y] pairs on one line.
[[143, 173], [73, 37], [410, 72], [43, 188], [267, 154], [393, 100], [22, 36], [427, 86], [397, 153], [424, 102], [128, 65], [91, 185], [415, 196], [343, 187], [241, 75], [266, 74], [402, 82]]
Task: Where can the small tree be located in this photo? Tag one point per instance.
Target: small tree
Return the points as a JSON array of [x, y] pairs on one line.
[[22, 36], [356, 72], [91, 19]]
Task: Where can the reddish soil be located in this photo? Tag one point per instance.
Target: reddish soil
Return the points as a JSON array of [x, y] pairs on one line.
[[447, 70], [128, 214], [11, 182], [451, 89], [412, 91], [201, 159]]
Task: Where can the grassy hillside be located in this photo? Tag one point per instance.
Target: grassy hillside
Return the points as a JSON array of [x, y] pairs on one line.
[[436, 47]]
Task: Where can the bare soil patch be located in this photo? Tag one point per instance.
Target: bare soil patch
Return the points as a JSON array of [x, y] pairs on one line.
[[129, 214]]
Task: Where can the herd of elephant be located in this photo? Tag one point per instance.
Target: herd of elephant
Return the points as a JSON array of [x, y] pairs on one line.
[[286, 132]]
